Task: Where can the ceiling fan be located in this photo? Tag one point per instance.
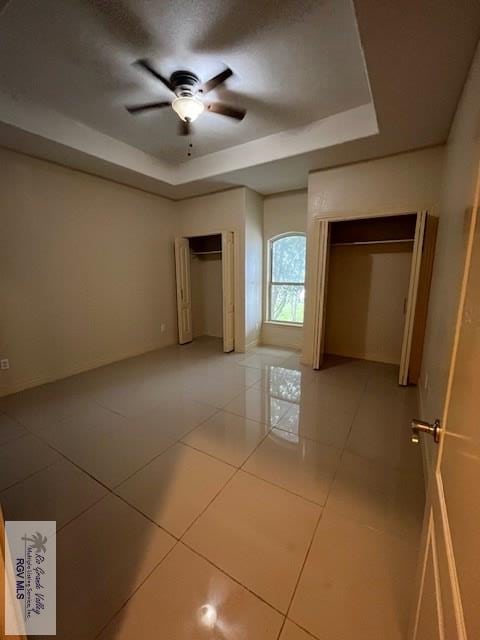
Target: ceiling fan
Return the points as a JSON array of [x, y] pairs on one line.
[[189, 91]]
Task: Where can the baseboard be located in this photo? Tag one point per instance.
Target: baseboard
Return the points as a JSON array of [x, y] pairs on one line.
[[371, 357], [281, 344], [251, 344], [39, 380]]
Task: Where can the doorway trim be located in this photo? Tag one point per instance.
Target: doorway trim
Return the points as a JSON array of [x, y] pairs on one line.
[[317, 288], [230, 289]]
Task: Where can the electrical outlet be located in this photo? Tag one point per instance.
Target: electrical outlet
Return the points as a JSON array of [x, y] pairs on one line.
[[162, 328], [4, 364]]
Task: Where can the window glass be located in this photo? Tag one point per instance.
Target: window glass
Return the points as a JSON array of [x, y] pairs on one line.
[[288, 259], [287, 284]]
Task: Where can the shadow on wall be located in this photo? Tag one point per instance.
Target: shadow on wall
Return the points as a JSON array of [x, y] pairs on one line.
[[367, 292]]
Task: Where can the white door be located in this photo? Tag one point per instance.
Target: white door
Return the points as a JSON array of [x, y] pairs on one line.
[[184, 298], [323, 242], [412, 297], [228, 280], [448, 603]]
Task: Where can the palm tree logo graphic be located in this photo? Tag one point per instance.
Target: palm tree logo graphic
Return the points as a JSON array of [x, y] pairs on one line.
[[38, 542]]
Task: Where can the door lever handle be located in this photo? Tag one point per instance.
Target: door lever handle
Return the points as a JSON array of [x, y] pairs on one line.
[[420, 426]]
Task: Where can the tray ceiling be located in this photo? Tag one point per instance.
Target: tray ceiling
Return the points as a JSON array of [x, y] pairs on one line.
[[300, 69]]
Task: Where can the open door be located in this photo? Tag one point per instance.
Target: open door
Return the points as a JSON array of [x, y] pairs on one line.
[[184, 298], [423, 296], [447, 606], [323, 242], [412, 297], [228, 281]]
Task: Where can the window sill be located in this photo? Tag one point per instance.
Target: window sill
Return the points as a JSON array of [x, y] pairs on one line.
[[296, 325]]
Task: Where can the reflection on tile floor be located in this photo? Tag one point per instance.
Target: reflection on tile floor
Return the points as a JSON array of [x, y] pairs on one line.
[[203, 495]]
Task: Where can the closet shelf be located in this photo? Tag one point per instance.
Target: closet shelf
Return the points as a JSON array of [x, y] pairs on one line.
[[347, 244], [204, 253]]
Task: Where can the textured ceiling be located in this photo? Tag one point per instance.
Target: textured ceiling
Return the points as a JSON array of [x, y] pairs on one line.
[[65, 73], [295, 61]]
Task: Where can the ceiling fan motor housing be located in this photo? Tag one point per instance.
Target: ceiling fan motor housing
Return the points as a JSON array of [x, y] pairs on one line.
[[184, 83]]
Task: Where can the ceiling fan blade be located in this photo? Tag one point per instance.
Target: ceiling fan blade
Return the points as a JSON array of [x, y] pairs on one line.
[[147, 107], [227, 110], [215, 81], [145, 64], [184, 128]]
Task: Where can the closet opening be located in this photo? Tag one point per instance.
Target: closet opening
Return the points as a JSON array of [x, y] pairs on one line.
[[205, 288], [374, 279]]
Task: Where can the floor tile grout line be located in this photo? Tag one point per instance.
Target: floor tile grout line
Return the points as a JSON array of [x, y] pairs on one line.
[[273, 426], [241, 467], [78, 515], [30, 475], [125, 603], [307, 553], [182, 541], [255, 475], [324, 443], [269, 431], [208, 561], [113, 491], [170, 446], [284, 621], [231, 577], [279, 486], [16, 437], [210, 455], [235, 472], [109, 490], [313, 537], [237, 469], [309, 633], [355, 414]]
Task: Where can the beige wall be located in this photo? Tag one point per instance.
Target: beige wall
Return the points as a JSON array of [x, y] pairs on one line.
[[223, 211], [207, 298], [461, 166], [282, 213], [409, 181], [253, 266], [86, 271], [239, 210], [367, 289]]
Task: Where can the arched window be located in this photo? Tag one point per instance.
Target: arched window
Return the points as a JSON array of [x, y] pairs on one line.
[[286, 286]]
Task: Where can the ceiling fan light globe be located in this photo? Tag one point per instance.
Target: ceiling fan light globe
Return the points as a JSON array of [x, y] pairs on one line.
[[188, 108]]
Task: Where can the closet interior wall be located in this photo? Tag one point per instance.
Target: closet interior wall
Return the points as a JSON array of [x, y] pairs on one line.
[[368, 279], [206, 285]]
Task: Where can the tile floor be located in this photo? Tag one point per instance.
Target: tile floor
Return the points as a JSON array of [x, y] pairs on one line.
[[203, 495]]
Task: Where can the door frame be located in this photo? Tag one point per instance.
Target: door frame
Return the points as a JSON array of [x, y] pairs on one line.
[[222, 233], [318, 287], [183, 290]]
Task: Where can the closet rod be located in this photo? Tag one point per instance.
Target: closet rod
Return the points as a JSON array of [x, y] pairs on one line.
[[204, 253], [346, 244]]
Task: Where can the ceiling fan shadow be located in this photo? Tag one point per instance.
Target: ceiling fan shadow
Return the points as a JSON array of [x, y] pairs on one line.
[[240, 21], [265, 109], [121, 23]]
